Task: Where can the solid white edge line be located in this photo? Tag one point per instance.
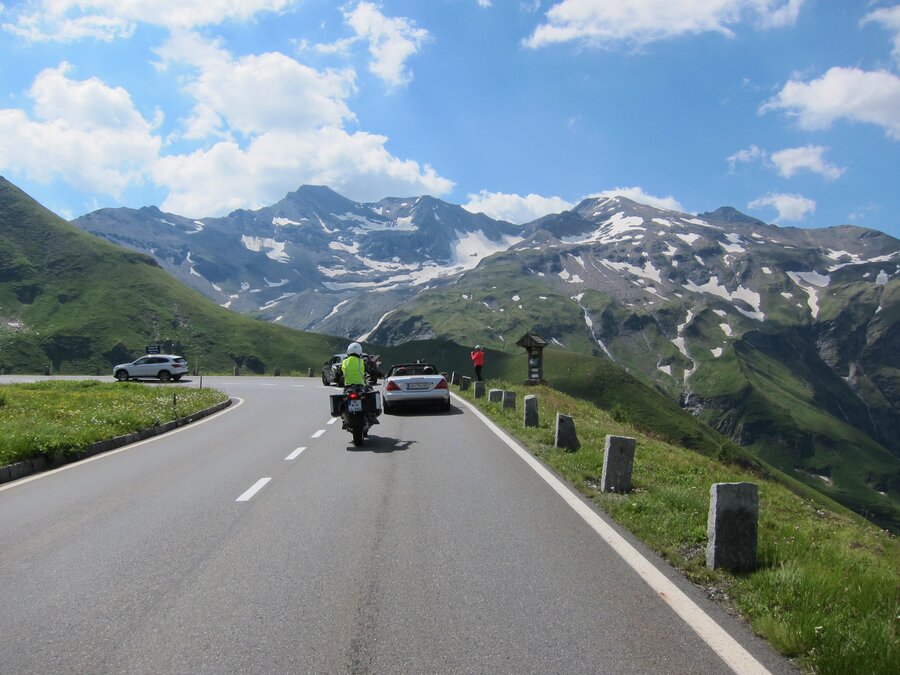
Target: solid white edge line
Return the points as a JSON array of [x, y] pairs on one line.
[[295, 454], [103, 455], [318, 433], [257, 486], [728, 649]]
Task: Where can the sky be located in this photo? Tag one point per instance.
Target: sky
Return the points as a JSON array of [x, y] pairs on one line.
[[787, 110]]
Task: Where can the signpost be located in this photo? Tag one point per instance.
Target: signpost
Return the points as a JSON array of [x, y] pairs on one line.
[[534, 344]]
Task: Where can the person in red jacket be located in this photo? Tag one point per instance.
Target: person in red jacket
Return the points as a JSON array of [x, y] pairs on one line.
[[478, 361]]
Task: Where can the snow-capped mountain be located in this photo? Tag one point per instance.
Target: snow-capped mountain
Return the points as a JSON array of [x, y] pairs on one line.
[[315, 257]]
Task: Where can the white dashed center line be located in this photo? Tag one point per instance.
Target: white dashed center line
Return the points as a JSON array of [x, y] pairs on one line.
[[257, 486], [318, 433], [295, 454]]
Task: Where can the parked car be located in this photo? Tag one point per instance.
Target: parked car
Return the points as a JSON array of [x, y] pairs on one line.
[[414, 383], [333, 365], [164, 367]]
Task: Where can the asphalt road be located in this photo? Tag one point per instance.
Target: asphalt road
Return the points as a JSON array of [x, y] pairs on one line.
[[261, 540]]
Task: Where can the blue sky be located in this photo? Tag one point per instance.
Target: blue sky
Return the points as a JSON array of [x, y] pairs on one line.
[[788, 110]]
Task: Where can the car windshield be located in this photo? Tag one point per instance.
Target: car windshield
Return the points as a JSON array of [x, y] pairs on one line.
[[415, 369]]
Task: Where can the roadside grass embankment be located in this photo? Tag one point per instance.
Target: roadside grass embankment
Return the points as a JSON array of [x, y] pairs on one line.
[[826, 592], [60, 419]]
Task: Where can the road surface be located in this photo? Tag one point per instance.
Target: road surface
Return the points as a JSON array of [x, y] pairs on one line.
[[261, 540]]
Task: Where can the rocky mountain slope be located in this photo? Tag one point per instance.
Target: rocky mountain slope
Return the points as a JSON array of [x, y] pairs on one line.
[[314, 257], [785, 339]]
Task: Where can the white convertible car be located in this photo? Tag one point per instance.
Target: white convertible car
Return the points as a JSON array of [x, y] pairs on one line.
[[415, 383]]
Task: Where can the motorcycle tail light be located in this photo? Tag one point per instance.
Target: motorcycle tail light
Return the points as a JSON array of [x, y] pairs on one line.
[[392, 386], [442, 384], [354, 395]]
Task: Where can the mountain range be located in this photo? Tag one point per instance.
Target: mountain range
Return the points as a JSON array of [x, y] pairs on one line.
[[784, 339]]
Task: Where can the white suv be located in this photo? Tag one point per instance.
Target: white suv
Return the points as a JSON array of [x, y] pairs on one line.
[[163, 366]]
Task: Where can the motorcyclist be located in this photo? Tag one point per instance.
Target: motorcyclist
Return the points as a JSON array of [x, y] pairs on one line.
[[353, 372], [353, 368]]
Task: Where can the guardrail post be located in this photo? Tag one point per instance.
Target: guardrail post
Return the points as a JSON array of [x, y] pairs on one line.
[[509, 400], [618, 463], [531, 411], [454, 378], [464, 383], [495, 395], [479, 389], [565, 433], [732, 527]]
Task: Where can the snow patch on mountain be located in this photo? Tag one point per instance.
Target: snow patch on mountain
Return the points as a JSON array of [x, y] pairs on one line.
[[273, 249], [648, 271], [750, 297], [283, 222]]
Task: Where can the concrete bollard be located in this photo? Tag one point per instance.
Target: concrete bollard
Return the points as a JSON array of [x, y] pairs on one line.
[[565, 433], [454, 378], [618, 463], [464, 383], [509, 400], [479, 389], [495, 395], [733, 526], [237, 371], [310, 373], [531, 411]]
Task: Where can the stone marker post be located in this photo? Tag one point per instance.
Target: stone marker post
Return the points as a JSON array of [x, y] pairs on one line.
[[454, 378], [509, 400], [465, 383], [565, 433], [479, 389], [618, 463], [310, 374], [531, 411], [495, 395], [732, 526]]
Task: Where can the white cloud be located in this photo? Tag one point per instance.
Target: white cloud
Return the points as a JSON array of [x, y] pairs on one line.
[[392, 40], [612, 22], [515, 208], [484, 3], [226, 176], [265, 124], [809, 157], [843, 93], [71, 20], [257, 93], [87, 132], [889, 17], [637, 194], [746, 156], [790, 207]]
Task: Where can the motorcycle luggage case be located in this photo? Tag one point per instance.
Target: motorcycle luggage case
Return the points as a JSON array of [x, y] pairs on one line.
[[371, 403], [336, 404]]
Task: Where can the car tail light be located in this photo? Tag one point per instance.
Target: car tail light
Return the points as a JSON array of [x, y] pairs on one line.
[[442, 384], [392, 386]]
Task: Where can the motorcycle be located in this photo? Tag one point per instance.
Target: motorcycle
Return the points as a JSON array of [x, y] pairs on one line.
[[359, 408]]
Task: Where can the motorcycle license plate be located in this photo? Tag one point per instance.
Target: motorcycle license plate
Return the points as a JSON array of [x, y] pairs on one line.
[[354, 406]]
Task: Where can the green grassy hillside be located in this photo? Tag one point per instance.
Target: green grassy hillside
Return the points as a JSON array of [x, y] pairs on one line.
[[73, 302]]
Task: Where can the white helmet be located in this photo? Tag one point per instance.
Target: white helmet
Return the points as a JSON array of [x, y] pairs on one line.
[[355, 348]]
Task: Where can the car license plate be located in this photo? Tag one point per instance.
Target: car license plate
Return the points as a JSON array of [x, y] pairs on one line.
[[417, 385], [354, 406]]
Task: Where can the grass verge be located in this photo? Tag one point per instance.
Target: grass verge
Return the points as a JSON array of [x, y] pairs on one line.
[[65, 417], [827, 590]]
